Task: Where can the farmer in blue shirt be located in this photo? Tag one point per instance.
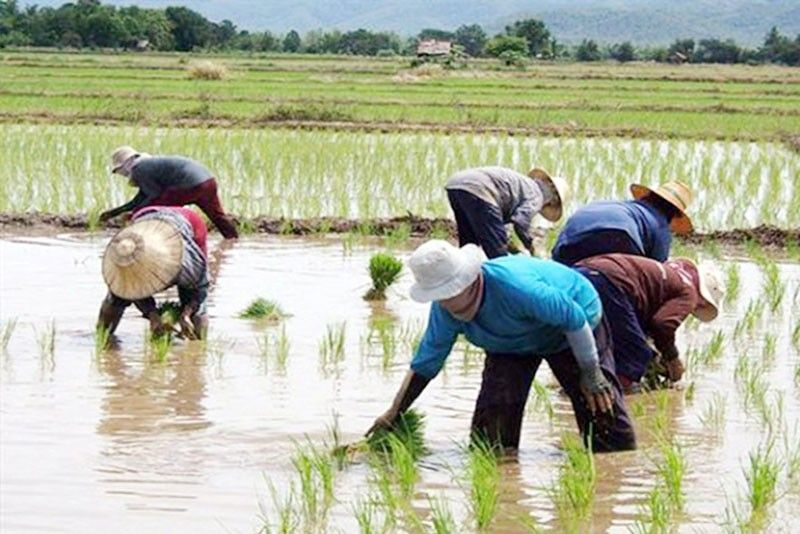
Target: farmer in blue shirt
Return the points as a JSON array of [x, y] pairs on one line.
[[520, 310], [642, 227]]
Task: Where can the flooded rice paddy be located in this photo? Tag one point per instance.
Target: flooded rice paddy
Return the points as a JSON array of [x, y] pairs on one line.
[[117, 440]]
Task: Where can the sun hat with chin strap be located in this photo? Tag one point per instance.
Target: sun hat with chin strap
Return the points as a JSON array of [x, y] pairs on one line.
[[442, 271]]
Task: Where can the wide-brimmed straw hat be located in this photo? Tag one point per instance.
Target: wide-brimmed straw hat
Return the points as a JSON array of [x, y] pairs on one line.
[[143, 259], [711, 286], [442, 271], [121, 155], [676, 193], [553, 211]]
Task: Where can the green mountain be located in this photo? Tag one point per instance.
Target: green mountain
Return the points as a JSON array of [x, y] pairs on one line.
[[641, 21]]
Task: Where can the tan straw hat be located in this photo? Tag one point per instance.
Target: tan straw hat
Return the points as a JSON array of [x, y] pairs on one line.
[[676, 193], [143, 259], [120, 156], [553, 212]]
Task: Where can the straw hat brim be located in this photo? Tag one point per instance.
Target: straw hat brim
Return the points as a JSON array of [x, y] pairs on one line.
[[550, 212], [681, 224], [460, 280], [143, 259]]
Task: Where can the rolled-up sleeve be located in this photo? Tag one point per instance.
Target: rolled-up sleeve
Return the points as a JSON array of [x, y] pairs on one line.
[[437, 342], [669, 316]]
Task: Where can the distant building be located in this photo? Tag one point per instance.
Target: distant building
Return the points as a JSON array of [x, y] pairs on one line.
[[678, 57], [142, 45], [432, 48]]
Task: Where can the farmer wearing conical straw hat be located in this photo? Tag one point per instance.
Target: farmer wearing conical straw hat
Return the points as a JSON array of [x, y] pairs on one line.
[[169, 181], [642, 226], [646, 298], [164, 247], [485, 199], [520, 310]]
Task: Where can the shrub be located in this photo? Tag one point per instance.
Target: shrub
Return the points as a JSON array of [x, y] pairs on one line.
[[384, 270]]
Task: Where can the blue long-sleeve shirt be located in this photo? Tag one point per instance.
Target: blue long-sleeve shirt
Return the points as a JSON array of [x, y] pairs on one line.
[[647, 227], [528, 305]]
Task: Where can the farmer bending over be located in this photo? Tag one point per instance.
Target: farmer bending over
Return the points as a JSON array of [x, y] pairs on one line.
[[644, 298], [642, 226], [169, 181], [520, 310], [485, 199], [163, 247]]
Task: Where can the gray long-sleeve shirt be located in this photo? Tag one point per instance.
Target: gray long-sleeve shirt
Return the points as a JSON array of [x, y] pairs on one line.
[[155, 174], [519, 197]]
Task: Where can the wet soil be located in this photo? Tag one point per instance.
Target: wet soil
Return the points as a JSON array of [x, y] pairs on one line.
[[111, 438], [419, 227]]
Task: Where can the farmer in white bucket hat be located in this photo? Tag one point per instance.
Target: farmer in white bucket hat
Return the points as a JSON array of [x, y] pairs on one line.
[[520, 310], [645, 298], [485, 199], [169, 181], [642, 226], [164, 246]]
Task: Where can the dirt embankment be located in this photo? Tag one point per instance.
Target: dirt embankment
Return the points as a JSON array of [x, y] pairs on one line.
[[414, 226]]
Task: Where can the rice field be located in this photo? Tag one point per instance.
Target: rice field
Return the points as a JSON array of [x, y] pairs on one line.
[[296, 173]]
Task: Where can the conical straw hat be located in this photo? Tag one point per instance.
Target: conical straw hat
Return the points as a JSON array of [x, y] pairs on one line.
[[553, 212], [143, 259], [676, 193]]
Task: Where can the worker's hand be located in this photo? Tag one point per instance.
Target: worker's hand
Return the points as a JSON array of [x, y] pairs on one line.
[[106, 215], [384, 422], [512, 247], [675, 369], [597, 391], [187, 326], [532, 250]]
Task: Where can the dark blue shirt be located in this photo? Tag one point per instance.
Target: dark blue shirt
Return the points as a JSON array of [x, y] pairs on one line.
[[647, 227]]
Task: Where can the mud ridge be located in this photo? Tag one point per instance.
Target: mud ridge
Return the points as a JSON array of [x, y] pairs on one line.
[[415, 226]]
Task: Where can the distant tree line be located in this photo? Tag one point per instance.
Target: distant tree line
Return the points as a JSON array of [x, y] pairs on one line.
[[90, 24]]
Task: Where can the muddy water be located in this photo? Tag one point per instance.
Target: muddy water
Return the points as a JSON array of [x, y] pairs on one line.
[[121, 442]]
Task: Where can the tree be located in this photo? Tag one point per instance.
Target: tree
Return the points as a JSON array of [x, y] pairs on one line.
[[717, 51], [536, 34], [292, 42], [588, 51], [506, 43], [623, 52], [472, 38], [436, 34], [224, 32], [189, 29]]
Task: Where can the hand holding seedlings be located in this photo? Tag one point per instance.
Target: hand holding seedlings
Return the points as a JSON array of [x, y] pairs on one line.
[[596, 390]]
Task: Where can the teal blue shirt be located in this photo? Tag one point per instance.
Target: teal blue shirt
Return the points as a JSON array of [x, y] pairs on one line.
[[528, 304]]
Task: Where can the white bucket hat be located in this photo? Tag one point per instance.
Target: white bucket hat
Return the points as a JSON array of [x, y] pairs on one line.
[[442, 271], [553, 212], [710, 285]]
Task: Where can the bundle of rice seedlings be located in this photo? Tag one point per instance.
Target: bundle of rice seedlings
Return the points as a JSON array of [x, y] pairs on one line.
[[170, 312], [207, 70], [263, 309], [409, 429], [384, 269]]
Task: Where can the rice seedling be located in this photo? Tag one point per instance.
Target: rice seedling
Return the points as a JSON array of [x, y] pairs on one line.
[[713, 416], [384, 269], [796, 336], [170, 312], [484, 477], [315, 475], [689, 392], [6, 331], [751, 379], [102, 337], [734, 282], [288, 520], [46, 340], [401, 461], [768, 352], [277, 345], [762, 481], [713, 349], [263, 309], [655, 514], [365, 512], [671, 469], [442, 519], [397, 236], [157, 346], [541, 400], [331, 347], [773, 286], [573, 492], [409, 429]]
